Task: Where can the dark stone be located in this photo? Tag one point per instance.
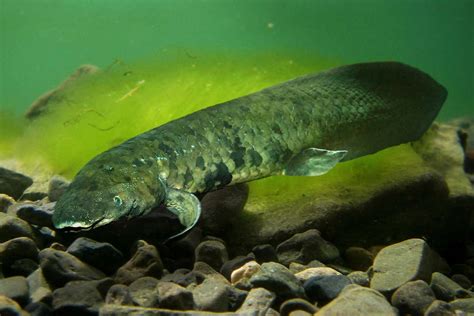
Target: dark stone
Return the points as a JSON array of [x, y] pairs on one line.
[[265, 253], [57, 186], [462, 280], [5, 202], [358, 258], [258, 301], [413, 297], [359, 277], [236, 297], [305, 247], [297, 304], [173, 296], [464, 269], [33, 196], [184, 278], [13, 183], [229, 266], [146, 261], [446, 289], [12, 227], [18, 248], [39, 309], [22, 267], [211, 295], [277, 279], [81, 297], [143, 292], [212, 252], [325, 287], [59, 267], [40, 215], [15, 288], [439, 308], [101, 255], [119, 294], [9, 307]]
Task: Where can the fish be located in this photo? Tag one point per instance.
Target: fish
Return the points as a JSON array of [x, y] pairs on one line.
[[301, 127]]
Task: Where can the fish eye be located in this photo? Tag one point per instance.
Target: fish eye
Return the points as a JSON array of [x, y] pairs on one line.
[[117, 201]]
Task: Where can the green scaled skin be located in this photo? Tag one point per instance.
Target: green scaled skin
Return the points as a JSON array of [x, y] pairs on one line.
[[301, 127]]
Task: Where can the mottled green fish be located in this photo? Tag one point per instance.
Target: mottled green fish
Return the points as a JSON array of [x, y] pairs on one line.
[[302, 127]]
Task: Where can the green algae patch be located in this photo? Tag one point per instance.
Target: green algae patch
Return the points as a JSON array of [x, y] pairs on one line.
[[101, 110]]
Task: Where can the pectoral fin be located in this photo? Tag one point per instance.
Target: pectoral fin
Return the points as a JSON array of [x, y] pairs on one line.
[[313, 162], [186, 206]]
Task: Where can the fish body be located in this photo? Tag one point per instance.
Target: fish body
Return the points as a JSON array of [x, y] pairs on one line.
[[300, 127]]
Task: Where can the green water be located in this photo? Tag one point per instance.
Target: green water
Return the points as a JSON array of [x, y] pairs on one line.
[[43, 41]]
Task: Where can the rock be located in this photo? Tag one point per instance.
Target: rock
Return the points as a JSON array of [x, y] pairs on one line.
[[399, 263], [114, 310], [446, 289], [12, 227], [9, 307], [146, 261], [439, 308], [57, 186], [60, 267], [413, 298], [80, 297], [358, 258], [360, 278], [15, 288], [463, 304], [296, 267], [203, 269], [39, 289], [358, 301], [184, 277], [40, 215], [340, 268], [173, 296], [119, 294], [297, 304], [38, 309], [236, 297], [22, 267], [257, 301], [462, 280], [33, 196], [94, 253], [18, 248], [245, 272], [13, 183], [306, 274], [211, 295], [221, 206], [143, 292], [212, 252], [464, 269], [231, 265], [305, 247], [5, 202], [265, 253], [278, 279], [325, 287]]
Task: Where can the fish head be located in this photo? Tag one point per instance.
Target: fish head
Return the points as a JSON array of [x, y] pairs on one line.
[[102, 193]]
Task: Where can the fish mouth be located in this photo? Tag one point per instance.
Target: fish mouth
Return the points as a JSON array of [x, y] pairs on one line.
[[81, 226]]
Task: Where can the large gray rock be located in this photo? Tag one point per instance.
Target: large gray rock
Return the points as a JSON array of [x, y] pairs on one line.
[[258, 301], [211, 295], [358, 301], [370, 199], [406, 261], [13, 183], [18, 248], [12, 227]]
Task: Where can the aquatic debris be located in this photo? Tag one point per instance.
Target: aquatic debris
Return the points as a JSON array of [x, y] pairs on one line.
[[132, 91]]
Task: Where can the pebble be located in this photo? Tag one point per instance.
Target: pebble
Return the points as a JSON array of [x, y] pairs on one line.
[[369, 302], [40, 215], [297, 304], [143, 292], [39, 309], [18, 248], [309, 273], [184, 278], [462, 280], [446, 289], [265, 253], [173, 296], [463, 304], [13, 183], [324, 288], [258, 301], [360, 278], [94, 252], [358, 259], [245, 272], [399, 263], [211, 295], [5, 202], [80, 297], [39, 289], [56, 188], [203, 269], [145, 261], [16, 288], [234, 264], [212, 252], [307, 246], [278, 279], [9, 307], [413, 297], [119, 294], [12, 227], [439, 308], [60, 267]]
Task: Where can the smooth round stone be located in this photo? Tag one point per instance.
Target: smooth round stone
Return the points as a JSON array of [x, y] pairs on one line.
[[211, 295], [18, 248], [265, 253], [413, 298], [212, 252], [309, 273], [9, 307], [40, 215], [118, 294], [16, 288], [258, 301], [325, 287], [358, 259], [13, 183], [229, 266], [12, 227], [143, 292], [173, 296], [5, 202], [446, 289], [359, 277]]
